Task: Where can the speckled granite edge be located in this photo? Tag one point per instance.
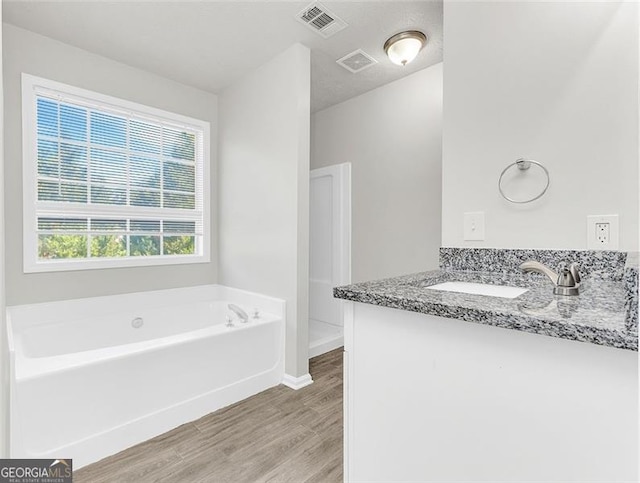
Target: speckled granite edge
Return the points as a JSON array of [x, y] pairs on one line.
[[592, 335], [631, 275], [609, 265]]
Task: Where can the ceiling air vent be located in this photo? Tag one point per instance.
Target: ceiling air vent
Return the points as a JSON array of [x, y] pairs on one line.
[[356, 61], [320, 20]]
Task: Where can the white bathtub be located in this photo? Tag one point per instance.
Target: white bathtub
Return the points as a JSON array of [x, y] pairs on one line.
[[86, 384]]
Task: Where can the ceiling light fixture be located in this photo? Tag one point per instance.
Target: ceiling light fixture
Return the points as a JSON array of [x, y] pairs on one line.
[[402, 48]]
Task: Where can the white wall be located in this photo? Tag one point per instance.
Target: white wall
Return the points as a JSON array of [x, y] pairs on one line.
[[4, 364], [392, 138], [27, 52], [553, 81], [264, 190]]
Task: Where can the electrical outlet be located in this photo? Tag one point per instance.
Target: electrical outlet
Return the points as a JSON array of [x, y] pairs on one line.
[[474, 226], [602, 232]]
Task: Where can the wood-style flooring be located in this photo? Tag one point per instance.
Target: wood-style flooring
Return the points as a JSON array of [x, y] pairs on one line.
[[279, 435]]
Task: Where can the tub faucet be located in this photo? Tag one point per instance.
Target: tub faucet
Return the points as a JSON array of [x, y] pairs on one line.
[[242, 315], [567, 282]]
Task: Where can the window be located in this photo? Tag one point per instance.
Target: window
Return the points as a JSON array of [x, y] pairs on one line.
[[110, 183]]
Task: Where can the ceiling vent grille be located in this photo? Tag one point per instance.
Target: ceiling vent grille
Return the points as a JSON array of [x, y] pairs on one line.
[[319, 19], [356, 61]]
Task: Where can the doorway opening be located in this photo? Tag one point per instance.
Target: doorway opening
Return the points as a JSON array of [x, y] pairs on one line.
[[330, 254]]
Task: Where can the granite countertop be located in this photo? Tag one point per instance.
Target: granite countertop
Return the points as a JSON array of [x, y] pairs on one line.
[[601, 314]]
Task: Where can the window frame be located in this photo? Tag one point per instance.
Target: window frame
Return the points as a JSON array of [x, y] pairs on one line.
[[32, 208]]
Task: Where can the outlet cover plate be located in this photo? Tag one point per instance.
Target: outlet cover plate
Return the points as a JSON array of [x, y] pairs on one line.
[[474, 226], [593, 243]]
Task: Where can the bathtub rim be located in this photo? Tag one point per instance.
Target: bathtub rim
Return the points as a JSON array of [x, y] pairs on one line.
[[40, 313]]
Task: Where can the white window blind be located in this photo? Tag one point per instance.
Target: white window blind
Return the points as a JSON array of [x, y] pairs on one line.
[[110, 183]]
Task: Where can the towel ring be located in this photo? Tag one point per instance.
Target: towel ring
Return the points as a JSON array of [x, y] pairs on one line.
[[523, 165]]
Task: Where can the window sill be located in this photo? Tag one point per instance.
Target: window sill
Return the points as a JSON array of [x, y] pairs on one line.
[[107, 263]]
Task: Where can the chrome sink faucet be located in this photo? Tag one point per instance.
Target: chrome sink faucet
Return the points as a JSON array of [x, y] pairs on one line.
[[567, 282]]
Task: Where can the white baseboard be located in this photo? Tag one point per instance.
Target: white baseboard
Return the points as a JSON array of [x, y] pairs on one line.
[[325, 345], [297, 382]]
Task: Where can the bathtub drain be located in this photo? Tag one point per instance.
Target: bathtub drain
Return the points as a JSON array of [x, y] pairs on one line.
[[137, 322]]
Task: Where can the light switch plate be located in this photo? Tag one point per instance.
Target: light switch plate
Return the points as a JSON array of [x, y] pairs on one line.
[[603, 232], [474, 226]]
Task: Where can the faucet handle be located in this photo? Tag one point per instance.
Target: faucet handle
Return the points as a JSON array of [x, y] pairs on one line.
[[567, 284], [574, 271], [566, 278]]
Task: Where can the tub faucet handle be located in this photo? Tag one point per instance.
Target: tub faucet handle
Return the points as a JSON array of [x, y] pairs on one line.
[[229, 321]]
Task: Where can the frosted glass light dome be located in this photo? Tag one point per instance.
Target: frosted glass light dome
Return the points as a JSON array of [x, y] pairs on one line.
[[402, 48]]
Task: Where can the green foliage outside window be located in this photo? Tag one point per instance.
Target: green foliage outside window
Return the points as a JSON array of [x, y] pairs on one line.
[[62, 246], [179, 245], [69, 246], [108, 246]]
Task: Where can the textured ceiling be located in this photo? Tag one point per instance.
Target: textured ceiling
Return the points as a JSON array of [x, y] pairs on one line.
[[211, 44]]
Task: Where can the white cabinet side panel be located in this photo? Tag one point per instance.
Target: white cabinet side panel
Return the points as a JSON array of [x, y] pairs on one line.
[[435, 399]]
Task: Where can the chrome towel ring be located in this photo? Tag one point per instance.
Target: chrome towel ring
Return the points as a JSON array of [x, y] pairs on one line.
[[523, 165]]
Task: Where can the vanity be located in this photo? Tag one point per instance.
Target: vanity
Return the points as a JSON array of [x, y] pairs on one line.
[[485, 383]]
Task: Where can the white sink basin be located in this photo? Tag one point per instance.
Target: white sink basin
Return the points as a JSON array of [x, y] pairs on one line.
[[480, 289]]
